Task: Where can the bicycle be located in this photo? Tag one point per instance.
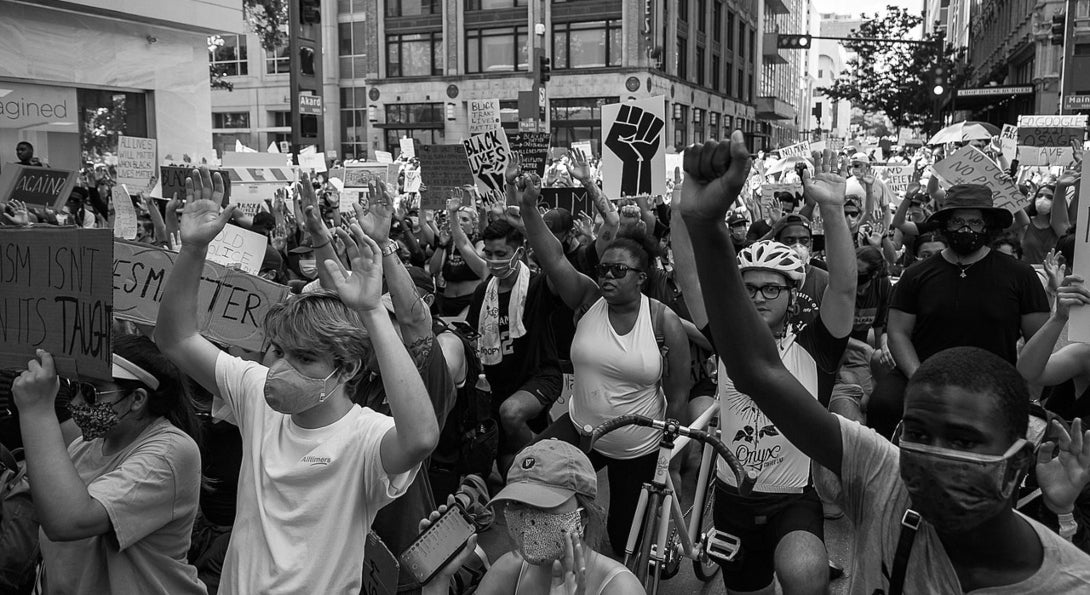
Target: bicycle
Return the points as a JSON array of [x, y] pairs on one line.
[[658, 509]]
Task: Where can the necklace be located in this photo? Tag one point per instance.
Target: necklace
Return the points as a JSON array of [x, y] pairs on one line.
[[965, 267]]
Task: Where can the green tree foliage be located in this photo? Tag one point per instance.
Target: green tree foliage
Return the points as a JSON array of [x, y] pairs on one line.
[[895, 78]]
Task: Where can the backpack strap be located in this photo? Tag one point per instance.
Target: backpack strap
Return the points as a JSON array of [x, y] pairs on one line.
[[910, 524], [658, 310]]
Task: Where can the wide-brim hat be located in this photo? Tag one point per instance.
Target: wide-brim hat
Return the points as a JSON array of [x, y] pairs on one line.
[[972, 196]]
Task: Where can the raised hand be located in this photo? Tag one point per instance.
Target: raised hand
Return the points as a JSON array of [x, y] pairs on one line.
[[1062, 478], [1054, 270], [572, 567], [634, 137], [37, 386], [514, 168], [578, 166], [714, 176], [1071, 294], [203, 218], [360, 288], [19, 214], [824, 187], [375, 221]]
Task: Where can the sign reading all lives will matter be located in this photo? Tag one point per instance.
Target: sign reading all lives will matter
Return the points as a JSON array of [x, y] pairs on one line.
[[136, 162]]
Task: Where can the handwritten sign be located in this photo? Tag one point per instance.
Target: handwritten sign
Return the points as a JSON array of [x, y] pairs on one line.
[[1046, 140], [897, 178], [135, 162], [235, 246], [41, 187], [488, 154], [231, 305], [173, 179], [407, 146], [970, 166], [124, 214], [56, 297], [484, 115], [1008, 142], [796, 150], [574, 200], [584, 146], [384, 157], [412, 180], [1079, 327], [312, 162], [532, 149], [443, 168]]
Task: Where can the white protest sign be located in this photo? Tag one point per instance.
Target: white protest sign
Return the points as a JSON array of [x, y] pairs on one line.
[[238, 247], [412, 180], [1008, 142], [675, 161], [352, 196], [124, 214], [796, 150], [312, 161], [407, 148], [970, 166], [384, 157], [136, 162], [1079, 325], [484, 115], [769, 204], [897, 177], [1047, 140], [488, 155], [634, 148], [584, 147]]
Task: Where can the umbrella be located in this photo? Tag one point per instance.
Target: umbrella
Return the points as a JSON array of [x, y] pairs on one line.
[[788, 164], [964, 131]]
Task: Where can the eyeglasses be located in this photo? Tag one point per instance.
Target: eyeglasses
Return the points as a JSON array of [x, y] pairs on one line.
[[803, 241], [614, 270], [770, 292], [88, 391], [955, 223], [851, 214]]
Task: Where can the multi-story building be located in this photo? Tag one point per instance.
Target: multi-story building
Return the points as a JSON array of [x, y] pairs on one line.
[[783, 101], [828, 60], [409, 68], [135, 68]]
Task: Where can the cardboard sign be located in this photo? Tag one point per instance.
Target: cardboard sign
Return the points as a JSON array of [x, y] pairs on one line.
[[970, 166], [312, 162], [1046, 140], [532, 149], [575, 200], [380, 568], [56, 296], [1079, 325], [634, 148], [408, 147], [358, 175], [769, 204], [897, 178], [584, 146], [488, 154], [135, 161], [232, 305], [443, 168], [796, 150], [173, 179], [1008, 142], [484, 115], [40, 187], [384, 157], [238, 247], [124, 214]]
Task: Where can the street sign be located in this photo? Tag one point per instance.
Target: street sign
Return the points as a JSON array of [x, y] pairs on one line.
[[310, 104], [1077, 102], [992, 91]]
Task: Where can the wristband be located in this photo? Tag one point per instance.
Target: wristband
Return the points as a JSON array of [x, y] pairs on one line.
[[389, 248], [1068, 526]]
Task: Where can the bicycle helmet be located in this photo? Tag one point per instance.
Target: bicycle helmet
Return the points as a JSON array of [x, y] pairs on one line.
[[773, 256]]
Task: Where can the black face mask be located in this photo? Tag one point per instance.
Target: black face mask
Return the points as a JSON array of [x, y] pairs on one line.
[[966, 241]]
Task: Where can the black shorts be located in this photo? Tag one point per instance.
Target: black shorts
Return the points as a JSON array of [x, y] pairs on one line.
[[705, 387], [760, 521], [545, 387]]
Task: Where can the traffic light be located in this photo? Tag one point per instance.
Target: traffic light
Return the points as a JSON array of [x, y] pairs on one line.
[[1059, 26], [941, 79], [793, 42], [544, 67]]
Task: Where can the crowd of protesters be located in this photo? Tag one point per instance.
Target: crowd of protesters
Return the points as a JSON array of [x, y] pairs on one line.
[[873, 357]]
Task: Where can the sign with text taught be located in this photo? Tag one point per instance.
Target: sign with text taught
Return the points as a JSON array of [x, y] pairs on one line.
[[40, 187], [135, 162], [443, 168], [56, 296], [231, 305]]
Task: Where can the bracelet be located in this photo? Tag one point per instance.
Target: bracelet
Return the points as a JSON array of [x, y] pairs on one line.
[[389, 248], [1068, 526]]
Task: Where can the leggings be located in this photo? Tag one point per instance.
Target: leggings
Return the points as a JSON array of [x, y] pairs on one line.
[[887, 403], [626, 479]]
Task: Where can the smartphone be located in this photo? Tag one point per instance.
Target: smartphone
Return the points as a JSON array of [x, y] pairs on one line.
[[465, 329], [438, 544]]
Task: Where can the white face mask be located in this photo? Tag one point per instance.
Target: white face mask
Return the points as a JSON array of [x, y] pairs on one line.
[[1043, 205], [309, 268], [802, 251]]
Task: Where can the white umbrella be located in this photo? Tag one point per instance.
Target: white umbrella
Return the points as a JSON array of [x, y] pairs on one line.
[[964, 131]]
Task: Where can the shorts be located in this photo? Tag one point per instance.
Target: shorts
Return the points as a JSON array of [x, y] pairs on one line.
[[760, 521], [705, 387], [545, 387]]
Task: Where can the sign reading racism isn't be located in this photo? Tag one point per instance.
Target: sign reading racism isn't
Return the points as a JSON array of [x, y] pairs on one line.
[[488, 154]]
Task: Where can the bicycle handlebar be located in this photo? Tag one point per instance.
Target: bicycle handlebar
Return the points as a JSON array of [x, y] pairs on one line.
[[743, 477]]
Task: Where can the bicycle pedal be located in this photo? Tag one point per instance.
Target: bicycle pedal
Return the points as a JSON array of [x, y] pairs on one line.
[[721, 545]]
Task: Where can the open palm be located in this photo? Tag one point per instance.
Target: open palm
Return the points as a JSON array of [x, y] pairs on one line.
[[578, 166], [1062, 478], [360, 288], [375, 221], [826, 186], [714, 176], [203, 218]]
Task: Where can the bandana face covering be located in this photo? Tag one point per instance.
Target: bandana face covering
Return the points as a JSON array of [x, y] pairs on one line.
[[538, 535], [956, 490], [288, 391], [94, 421]]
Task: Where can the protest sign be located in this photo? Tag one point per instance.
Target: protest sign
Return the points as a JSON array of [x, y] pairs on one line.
[[532, 149], [384, 157], [56, 298], [634, 148], [352, 196], [443, 168], [124, 214], [675, 161], [359, 174], [235, 246], [408, 147], [1046, 140], [412, 180], [312, 162], [256, 160], [1008, 142], [40, 187], [575, 200], [796, 150], [484, 115], [172, 178], [1079, 326], [769, 204], [897, 178], [970, 166], [135, 162], [488, 154], [380, 567], [585, 147], [835, 144], [231, 304]]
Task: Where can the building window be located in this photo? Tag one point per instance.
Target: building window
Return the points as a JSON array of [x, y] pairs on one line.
[[713, 126], [749, 89], [682, 57], [415, 54], [230, 56], [730, 29], [278, 62], [753, 43], [351, 47], [716, 74], [497, 50], [353, 122], [702, 15], [578, 119], [493, 4], [700, 66], [509, 115], [698, 125], [411, 8], [231, 120], [741, 39], [728, 79], [681, 137], [683, 10], [717, 20], [741, 89], [280, 119], [593, 44], [422, 121]]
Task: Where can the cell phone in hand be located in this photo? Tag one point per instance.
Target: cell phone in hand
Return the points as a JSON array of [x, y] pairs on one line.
[[438, 544]]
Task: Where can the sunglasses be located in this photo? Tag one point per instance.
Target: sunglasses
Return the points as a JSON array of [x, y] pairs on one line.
[[88, 391], [851, 214], [614, 270]]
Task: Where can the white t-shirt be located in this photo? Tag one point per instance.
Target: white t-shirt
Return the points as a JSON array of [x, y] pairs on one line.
[[874, 497], [306, 497]]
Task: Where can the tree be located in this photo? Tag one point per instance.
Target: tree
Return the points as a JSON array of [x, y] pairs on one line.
[[897, 78], [268, 19]]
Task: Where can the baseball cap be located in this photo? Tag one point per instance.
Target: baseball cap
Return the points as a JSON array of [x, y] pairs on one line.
[[735, 219], [546, 474]]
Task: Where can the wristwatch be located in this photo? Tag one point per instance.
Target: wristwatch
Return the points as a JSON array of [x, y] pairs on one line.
[[389, 248]]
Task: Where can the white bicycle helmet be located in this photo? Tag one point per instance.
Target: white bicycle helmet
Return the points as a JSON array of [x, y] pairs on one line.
[[773, 256]]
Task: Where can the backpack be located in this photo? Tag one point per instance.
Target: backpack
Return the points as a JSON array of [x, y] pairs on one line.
[[19, 552]]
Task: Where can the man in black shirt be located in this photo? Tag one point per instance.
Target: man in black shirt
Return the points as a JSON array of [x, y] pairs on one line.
[[965, 296], [512, 312]]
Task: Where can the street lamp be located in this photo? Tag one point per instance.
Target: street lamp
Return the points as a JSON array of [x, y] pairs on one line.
[[938, 90]]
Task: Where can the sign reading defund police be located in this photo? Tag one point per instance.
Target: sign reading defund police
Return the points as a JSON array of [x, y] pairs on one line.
[[56, 296]]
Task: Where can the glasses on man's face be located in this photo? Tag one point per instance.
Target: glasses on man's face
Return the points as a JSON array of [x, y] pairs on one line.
[[770, 292], [613, 270], [955, 223], [802, 241], [88, 391]]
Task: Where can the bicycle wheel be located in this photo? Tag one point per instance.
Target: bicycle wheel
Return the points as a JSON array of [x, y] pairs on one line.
[[704, 566]]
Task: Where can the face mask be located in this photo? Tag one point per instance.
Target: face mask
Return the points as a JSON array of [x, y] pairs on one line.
[[802, 251], [289, 392], [1043, 205], [738, 233], [308, 268], [955, 490], [95, 421], [502, 269], [966, 241], [538, 535]]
